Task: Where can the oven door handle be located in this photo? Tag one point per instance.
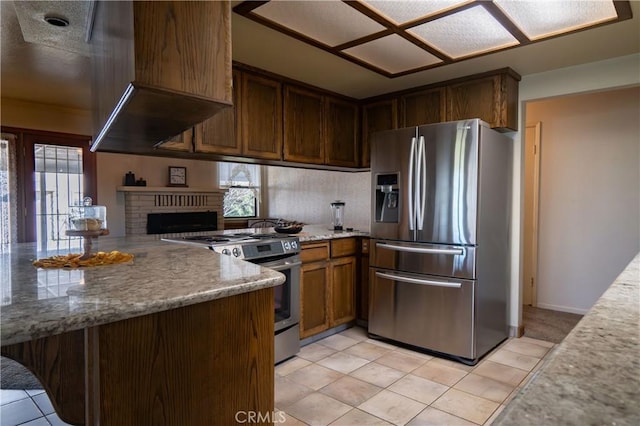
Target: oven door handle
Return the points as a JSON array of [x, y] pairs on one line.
[[280, 265]]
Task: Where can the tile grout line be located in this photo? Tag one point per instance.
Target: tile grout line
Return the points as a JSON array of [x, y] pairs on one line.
[[500, 405], [397, 349]]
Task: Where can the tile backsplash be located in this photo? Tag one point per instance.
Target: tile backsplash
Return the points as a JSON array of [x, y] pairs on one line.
[[305, 195]]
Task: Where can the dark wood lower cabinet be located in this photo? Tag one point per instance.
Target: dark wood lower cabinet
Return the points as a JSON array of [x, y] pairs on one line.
[[197, 365], [327, 285], [314, 316], [343, 290]]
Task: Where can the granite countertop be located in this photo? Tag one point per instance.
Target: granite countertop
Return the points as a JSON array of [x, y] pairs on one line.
[[319, 232], [593, 376], [42, 302], [308, 233]]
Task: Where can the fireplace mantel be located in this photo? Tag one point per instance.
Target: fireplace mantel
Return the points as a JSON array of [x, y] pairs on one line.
[[167, 189]]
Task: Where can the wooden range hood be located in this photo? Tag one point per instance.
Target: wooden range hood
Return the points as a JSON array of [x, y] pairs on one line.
[[158, 68]]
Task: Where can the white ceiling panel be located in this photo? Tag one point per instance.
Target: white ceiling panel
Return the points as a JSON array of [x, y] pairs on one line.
[[540, 19], [330, 22], [472, 31], [393, 54], [400, 12]]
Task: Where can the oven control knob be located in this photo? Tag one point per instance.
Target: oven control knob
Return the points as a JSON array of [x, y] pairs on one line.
[[236, 251], [226, 251]]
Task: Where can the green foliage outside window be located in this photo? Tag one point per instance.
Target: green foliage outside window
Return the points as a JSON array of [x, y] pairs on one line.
[[240, 202], [242, 182]]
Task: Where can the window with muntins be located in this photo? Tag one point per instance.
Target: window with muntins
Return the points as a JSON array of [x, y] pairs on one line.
[[242, 182]]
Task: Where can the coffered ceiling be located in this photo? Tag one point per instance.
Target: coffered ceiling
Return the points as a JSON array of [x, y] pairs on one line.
[[51, 67], [395, 38]]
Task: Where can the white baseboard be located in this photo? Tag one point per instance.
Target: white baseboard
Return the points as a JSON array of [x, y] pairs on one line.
[[562, 308]]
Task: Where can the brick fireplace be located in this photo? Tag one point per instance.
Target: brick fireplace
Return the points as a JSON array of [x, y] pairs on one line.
[[139, 201]]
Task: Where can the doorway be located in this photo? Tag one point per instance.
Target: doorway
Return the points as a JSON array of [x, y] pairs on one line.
[[45, 172], [531, 205]]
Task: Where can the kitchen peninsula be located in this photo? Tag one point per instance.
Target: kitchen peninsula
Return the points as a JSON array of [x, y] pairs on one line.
[[592, 377], [179, 335]]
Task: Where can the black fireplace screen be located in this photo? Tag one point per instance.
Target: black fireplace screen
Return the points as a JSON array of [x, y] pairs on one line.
[[165, 223]]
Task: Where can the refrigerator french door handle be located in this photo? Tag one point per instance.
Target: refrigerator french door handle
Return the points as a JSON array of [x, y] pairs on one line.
[[421, 195], [420, 281], [424, 250], [410, 194]]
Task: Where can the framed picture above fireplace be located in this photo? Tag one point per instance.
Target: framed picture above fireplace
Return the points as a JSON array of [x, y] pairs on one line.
[[177, 176]]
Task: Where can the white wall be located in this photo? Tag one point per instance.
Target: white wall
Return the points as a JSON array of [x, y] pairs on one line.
[[305, 195], [111, 167], [589, 194], [597, 76]]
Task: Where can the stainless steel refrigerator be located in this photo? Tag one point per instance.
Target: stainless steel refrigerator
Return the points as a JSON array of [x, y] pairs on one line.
[[440, 228]]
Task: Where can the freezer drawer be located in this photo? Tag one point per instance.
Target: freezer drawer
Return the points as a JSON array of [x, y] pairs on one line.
[[429, 312], [421, 258]]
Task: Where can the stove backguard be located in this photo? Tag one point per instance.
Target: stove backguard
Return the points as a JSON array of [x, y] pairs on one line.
[[165, 223]]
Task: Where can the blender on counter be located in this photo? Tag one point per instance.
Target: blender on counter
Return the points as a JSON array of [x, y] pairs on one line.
[[337, 214]]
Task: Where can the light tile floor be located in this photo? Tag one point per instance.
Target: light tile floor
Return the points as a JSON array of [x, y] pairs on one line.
[[349, 379], [28, 408]]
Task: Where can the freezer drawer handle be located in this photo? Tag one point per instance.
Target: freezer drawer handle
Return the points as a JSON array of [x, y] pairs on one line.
[[418, 281], [455, 251]]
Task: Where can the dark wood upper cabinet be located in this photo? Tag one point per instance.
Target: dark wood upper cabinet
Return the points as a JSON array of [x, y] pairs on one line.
[[341, 118], [303, 126], [279, 120], [319, 128], [492, 98], [424, 107], [220, 134], [182, 142], [376, 116], [158, 69], [261, 117]]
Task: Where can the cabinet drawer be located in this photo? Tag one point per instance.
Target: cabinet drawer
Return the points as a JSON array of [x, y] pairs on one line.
[[312, 252], [343, 247]]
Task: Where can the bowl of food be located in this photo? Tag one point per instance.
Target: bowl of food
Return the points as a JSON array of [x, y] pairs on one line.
[[288, 227]]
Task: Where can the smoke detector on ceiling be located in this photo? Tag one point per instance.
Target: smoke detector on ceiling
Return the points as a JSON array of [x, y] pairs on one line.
[[62, 25], [56, 21]]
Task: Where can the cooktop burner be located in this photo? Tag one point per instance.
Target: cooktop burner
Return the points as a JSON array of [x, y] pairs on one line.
[[238, 236], [263, 236], [207, 238], [244, 245]]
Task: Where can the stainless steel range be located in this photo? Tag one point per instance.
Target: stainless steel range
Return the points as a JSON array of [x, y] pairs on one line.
[[279, 252]]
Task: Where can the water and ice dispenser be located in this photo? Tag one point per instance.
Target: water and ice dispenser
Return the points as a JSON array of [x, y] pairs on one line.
[[387, 198]]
